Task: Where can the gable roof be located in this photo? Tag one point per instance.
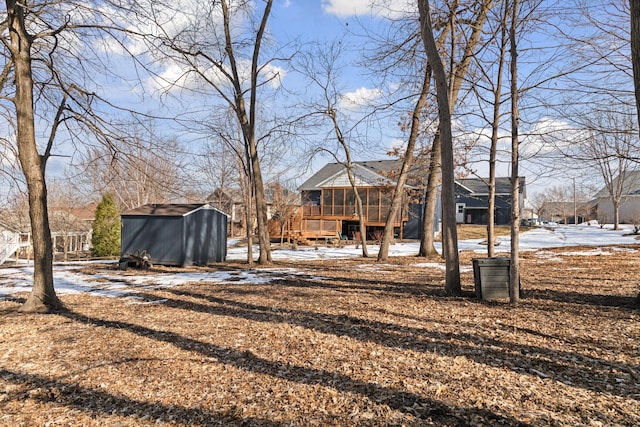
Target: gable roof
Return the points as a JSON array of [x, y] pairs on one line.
[[166, 209], [630, 185], [373, 173], [224, 195], [480, 186]]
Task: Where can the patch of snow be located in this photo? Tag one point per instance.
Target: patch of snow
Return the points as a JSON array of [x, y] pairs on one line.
[[116, 284]]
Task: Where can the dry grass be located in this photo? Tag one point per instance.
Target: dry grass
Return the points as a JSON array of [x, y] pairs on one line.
[[337, 343], [470, 231]]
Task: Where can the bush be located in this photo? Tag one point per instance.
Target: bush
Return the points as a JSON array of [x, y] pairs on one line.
[[106, 228]]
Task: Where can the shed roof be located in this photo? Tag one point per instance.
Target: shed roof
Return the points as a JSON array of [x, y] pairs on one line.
[[168, 209]]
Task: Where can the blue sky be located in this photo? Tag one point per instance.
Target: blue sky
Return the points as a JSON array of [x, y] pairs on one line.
[[316, 22]]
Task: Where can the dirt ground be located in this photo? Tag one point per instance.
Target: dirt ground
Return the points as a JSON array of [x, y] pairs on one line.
[[338, 343]]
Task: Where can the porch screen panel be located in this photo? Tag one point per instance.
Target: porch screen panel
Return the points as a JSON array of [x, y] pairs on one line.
[[338, 201], [350, 209], [327, 201], [373, 208]]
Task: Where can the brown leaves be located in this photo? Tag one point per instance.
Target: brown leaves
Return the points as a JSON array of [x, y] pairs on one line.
[[347, 343]]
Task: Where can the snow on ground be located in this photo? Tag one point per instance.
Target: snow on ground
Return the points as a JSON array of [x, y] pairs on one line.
[[535, 239], [115, 284]]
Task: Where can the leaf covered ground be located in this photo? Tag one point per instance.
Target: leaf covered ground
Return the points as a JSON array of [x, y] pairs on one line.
[[348, 342]]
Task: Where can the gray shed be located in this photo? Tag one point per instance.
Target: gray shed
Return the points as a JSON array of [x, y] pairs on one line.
[[175, 234]]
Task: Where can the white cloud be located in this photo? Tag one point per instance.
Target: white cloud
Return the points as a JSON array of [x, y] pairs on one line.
[[397, 143], [176, 77], [359, 98], [386, 8], [550, 137]]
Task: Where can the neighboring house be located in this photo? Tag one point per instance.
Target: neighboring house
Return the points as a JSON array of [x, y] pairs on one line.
[[175, 234], [629, 211], [472, 200], [231, 202], [10, 241], [563, 212], [71, 227], [329, 202]]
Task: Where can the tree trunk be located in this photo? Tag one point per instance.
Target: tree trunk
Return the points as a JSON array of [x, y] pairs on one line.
[[449, 231], [458, 73], [427, 246], [248, 228], [43, 297], [616, 214], [495, 129], [514, 282], [264, 241], [398, 195], [247, 120], [635, 50], [361, 223]]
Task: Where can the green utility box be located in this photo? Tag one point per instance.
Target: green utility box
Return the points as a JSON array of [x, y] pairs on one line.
[[491, 277]]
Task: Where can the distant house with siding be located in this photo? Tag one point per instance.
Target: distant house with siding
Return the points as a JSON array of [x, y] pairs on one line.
[[472, 200], [329, 202], [629, 211]]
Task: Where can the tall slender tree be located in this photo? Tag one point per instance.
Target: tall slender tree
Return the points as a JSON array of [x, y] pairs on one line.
[[407, 162], [514, 283], [501, 39], [449, 230], [43, 297], [635, 50], [457, 74], [322, 68], [218, 46]]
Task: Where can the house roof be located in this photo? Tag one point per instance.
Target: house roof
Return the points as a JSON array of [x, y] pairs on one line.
[[375, 173], [168, 209], [630, 185], [232, 195], [8, 227], [480, 186]]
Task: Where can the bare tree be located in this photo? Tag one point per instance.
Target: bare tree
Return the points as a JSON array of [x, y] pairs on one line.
[[211, 50], [322, 68], [501, 40], [49, 52], [514, 279], [138, 169], [449, 231], [407, 162], [285, 205], [43, 297], [610, 146], [457, 74], [558, 201], [635, 50]]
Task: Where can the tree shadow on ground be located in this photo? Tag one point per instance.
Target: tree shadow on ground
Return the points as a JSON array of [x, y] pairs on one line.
[[565, 366], [572, 297], [427, 409], [97, 402]]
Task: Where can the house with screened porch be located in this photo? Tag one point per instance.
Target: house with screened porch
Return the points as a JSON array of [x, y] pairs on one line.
[[328, 202]]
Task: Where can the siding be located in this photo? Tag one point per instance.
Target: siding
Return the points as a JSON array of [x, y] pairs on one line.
[[198, 237], [161, 237]]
